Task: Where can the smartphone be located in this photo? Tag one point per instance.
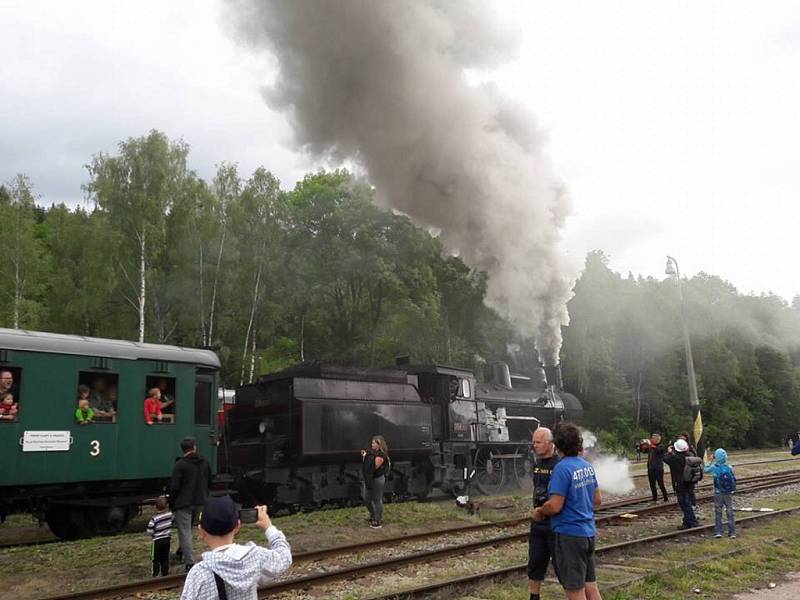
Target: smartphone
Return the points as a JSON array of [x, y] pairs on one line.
[[248, 515]]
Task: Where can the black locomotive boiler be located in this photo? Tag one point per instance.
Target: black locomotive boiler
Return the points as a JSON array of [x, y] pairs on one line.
[[292, 439]]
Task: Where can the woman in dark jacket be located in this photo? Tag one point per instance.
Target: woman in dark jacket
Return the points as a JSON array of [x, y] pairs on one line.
[[373, 467]]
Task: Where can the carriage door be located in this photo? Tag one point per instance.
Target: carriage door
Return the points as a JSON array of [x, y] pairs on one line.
[[205, 412]]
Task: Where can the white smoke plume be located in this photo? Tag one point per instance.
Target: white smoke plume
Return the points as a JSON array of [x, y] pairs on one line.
[[383, 84], [613, 474]]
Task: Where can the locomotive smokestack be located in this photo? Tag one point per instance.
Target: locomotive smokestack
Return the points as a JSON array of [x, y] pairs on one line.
[[500, 374], [553, 375], [383, 84]]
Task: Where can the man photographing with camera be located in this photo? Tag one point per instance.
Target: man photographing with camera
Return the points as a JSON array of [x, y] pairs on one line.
[[232, 571]]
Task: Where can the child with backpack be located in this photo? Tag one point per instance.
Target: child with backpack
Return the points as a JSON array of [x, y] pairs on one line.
[[724, 488]]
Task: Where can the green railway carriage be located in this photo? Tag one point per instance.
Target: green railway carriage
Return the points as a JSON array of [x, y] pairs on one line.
[[91, 478]]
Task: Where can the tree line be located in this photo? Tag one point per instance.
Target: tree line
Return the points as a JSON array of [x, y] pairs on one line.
[[272, 277]]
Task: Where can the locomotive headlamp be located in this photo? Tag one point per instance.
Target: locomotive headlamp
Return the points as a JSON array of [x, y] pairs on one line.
[[262, 427]]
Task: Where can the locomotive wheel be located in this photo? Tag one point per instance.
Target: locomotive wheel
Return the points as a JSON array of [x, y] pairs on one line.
[[70, 522], [523, 468], [490, 470]]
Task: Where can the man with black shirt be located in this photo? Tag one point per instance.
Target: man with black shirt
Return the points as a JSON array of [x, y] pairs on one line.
[[540, 540], [655, 467], [691, 452], [188, 491], [676, 459]]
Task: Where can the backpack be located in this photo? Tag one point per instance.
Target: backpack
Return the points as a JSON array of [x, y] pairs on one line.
[[726, 480], [387, 468], [693, 469]]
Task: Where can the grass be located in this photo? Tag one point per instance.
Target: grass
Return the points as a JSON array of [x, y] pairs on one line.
[[85, 564], [766, 551]]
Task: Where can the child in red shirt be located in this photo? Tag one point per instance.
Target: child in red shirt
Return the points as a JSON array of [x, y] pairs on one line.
[[152, 406], [8, 408]]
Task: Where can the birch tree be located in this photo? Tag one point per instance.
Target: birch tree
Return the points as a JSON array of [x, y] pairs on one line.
[[260, 216], [24, 267], [136, 190]]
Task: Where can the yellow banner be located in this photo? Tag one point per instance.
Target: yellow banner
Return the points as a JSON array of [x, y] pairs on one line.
[[698, 428]]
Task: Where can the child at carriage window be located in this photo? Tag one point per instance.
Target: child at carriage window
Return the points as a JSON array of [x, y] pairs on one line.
[[84, 413], [8, 408], [152, 406]]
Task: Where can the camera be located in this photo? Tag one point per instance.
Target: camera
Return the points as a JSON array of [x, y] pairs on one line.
[[248, 515]]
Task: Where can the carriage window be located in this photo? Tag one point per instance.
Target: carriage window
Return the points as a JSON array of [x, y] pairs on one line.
[[9, 393], [96, 397], [465, 388], [165, 396], [202, 402]]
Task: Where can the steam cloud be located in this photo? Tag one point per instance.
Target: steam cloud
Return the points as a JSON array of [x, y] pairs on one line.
[[613, 474], [383, 84]]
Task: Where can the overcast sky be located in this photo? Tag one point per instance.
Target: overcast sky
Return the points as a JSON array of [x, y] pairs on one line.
[[674, 125]]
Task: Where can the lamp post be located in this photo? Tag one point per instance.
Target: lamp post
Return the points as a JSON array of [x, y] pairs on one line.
[[699, 441]]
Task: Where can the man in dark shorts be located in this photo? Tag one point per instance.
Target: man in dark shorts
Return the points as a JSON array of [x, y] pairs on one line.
[[540, 540], [573, 495]]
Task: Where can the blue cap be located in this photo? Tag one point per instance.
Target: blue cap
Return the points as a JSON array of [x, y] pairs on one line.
[[219, 516]]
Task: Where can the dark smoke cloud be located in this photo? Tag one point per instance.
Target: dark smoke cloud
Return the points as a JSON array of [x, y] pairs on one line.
[[383, 83]]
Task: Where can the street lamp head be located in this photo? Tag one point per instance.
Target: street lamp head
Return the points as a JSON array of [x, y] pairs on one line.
[[670, 269]]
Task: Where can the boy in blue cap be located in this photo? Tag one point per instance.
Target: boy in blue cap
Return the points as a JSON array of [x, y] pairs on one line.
[[724, 487], [230, 570]]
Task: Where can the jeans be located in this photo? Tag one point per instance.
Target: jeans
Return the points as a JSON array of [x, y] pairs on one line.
[[373, 498], [725, 500], [689, 519], [183, 519]]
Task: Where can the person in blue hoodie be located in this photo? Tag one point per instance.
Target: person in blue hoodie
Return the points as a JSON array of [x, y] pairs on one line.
[[724, 488]]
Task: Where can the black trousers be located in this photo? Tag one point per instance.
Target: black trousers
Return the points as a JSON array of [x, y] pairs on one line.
[[160, 556], [657, 476]]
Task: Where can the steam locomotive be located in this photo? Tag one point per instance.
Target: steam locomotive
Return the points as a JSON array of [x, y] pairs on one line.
[[292, 439]]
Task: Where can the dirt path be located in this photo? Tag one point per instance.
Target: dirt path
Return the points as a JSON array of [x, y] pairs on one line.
[[788, 590]]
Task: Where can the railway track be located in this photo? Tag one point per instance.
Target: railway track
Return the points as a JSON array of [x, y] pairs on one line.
[[610, 513], [733, 464], [139, 529], [628, 502], [601, 551]]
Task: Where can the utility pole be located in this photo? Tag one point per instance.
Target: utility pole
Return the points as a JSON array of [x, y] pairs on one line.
[[694, 402]]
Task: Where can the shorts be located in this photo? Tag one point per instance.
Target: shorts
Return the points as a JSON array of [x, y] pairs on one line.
[[573, 560], [540, 549]]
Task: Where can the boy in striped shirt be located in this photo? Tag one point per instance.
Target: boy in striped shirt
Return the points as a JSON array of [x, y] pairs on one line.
[[159, 527]]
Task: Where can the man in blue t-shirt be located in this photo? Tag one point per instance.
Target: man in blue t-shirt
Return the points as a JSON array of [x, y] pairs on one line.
[[573, 495]]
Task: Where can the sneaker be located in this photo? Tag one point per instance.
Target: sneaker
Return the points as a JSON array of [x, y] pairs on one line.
[[717, 535], [732, 536], [375, 525]]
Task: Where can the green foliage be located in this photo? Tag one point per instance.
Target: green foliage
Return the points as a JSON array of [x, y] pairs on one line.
[[271, 278], [624, 357]]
